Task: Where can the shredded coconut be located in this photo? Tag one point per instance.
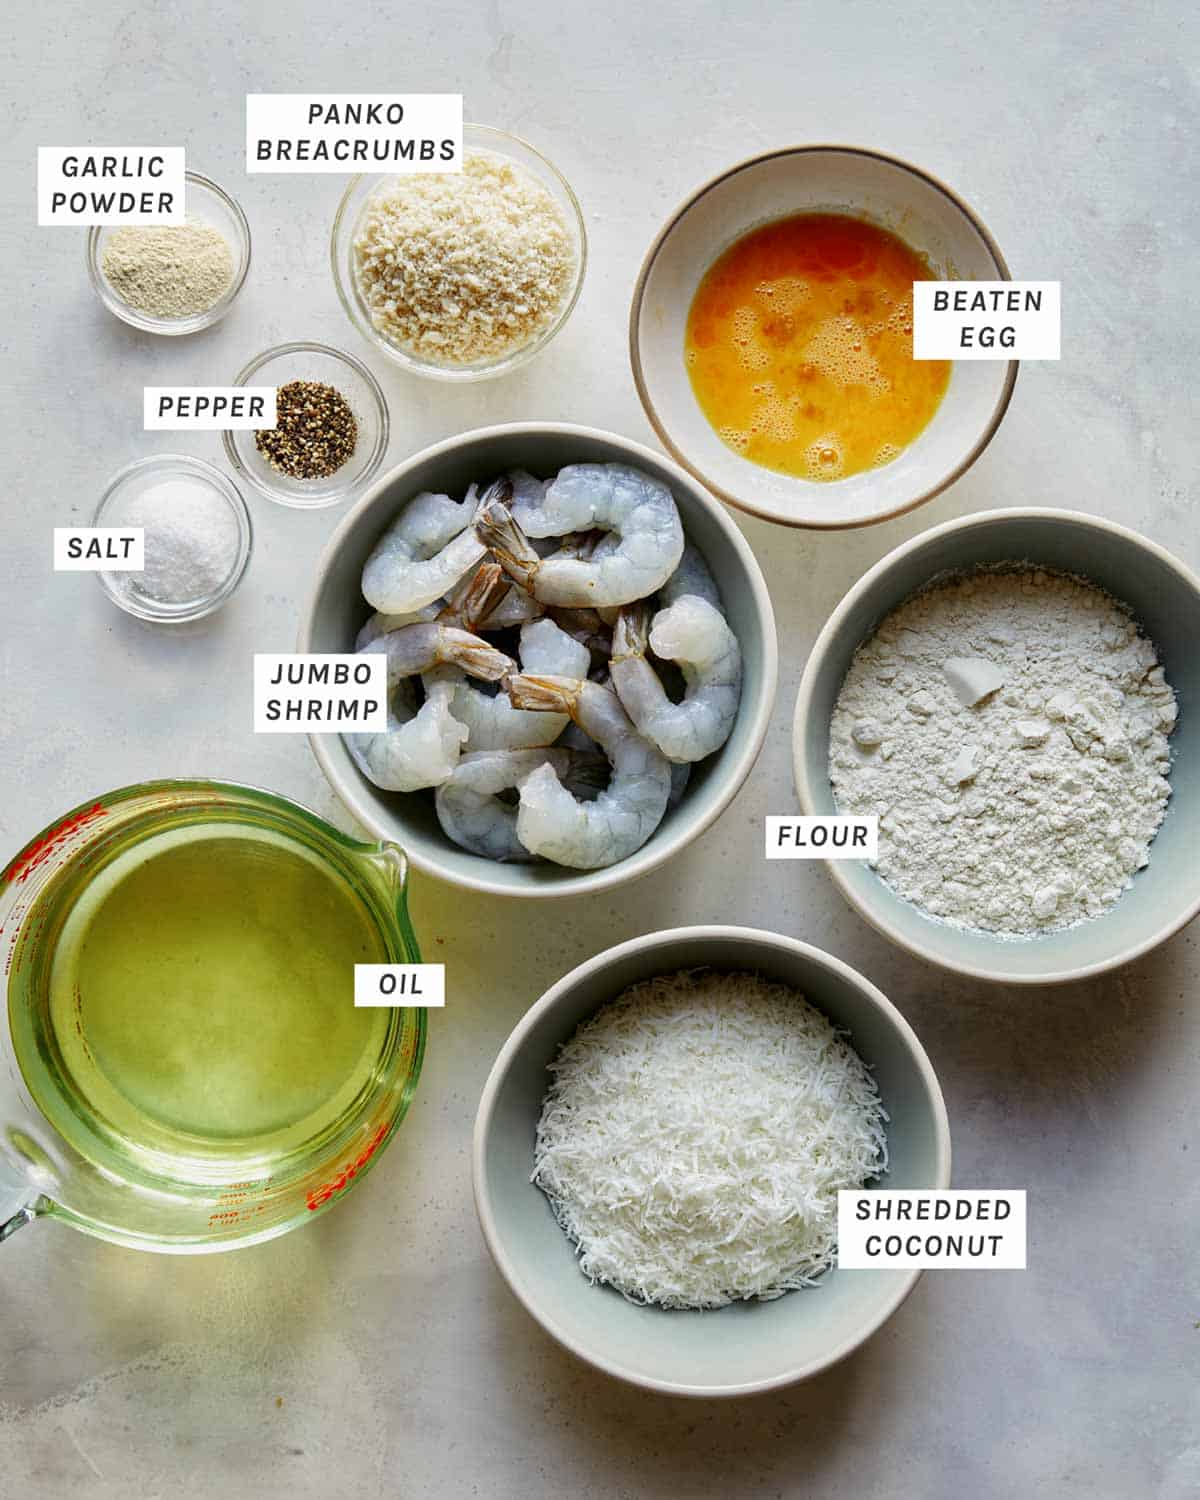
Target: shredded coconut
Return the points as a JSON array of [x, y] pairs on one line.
[[696, 1134], [1009, 728], [459, 268]]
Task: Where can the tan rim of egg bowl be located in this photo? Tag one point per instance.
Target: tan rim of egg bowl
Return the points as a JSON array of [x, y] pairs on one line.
[[639, 376]]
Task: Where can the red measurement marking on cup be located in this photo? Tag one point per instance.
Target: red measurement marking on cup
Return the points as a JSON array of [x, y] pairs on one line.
[[41, 850], [318, 1196], [231, 1216]]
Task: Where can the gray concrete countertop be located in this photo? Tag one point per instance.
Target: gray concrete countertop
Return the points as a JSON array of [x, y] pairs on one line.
[[378, 1353]]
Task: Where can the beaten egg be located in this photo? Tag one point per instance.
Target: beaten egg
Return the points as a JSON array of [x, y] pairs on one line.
[[799, 347]]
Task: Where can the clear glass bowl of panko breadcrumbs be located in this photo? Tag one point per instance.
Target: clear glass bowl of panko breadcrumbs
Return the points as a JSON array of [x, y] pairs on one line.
[[462, 276]]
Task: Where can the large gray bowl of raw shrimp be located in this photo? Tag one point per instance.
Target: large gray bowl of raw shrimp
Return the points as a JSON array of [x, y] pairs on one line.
[[581, 658]]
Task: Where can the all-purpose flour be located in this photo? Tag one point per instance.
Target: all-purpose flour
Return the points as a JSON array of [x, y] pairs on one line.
[[1009, 727]]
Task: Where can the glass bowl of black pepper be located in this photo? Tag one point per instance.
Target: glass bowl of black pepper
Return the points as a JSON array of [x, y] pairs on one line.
[[331, 428]]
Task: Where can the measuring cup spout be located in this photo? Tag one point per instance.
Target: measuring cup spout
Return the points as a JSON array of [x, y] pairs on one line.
[[389, 861]]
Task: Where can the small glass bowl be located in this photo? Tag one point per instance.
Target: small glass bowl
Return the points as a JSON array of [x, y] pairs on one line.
[[330, 366], [123, 588], [476, 138], [210, 204]]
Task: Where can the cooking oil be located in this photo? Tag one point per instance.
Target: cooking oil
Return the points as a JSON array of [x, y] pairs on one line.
[[194, 1005]]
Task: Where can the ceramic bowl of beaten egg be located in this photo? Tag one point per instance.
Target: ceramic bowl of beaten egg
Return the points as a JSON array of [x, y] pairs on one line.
[[336, 611], [771, 337], [1163, 598], [745, 1346]]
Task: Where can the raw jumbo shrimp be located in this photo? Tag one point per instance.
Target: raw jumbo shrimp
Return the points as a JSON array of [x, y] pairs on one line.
[[420, 747], [492, 722], [694, 634], [425, 551], [681, 774], [692, 576], [469, 808], [380, 624], [576, 753], [642, 553], [586, 835], [527, 492]]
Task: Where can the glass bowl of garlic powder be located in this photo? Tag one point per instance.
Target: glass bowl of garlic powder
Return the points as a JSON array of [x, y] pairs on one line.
[[174, 278], [197, 537]]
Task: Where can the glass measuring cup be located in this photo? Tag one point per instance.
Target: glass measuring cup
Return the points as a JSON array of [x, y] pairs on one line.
[[64, 1157]]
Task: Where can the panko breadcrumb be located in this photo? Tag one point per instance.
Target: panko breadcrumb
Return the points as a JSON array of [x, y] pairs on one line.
[[463, 268]]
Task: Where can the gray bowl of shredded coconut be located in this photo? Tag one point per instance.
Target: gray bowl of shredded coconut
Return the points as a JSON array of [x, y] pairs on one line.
[[660, 1144], [462, 275]]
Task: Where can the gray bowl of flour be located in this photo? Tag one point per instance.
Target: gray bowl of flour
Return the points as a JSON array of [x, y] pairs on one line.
[[986, 940]]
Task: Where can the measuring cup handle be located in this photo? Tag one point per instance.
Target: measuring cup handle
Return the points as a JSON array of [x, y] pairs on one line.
[[18, 1206]]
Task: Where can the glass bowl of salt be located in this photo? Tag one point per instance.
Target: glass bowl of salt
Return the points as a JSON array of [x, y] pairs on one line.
[[196, 532]]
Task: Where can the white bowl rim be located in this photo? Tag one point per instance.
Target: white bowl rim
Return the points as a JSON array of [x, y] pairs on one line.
[[801, 715], [635, 354], [516, 1040], [658, 848]]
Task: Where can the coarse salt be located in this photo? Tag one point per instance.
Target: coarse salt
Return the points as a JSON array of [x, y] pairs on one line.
[[191, 540]]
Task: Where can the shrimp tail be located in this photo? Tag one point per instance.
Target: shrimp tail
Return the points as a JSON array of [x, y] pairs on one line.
[[556, 695], [631, 633], [476, 598], [477, 657], [498, 530], [499, 492]]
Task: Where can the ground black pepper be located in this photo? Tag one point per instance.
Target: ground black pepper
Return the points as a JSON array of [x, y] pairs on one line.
[[315, 431]]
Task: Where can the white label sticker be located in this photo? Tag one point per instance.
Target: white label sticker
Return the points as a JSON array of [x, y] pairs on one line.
[[932, 1230], [986, 320], [99, 549], [400, 984], [320, 693], [354, 132], [824, 836], [110, 185], [208, 408]]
